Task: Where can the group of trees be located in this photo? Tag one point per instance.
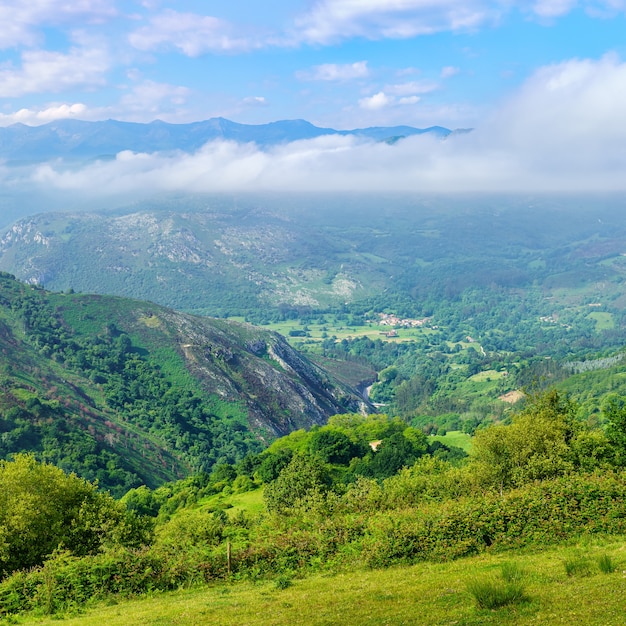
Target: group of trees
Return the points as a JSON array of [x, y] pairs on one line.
[[135, 390], [330, 498], [43, 510]]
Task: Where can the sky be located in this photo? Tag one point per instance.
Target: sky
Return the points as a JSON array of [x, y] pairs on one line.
[[541, 82]]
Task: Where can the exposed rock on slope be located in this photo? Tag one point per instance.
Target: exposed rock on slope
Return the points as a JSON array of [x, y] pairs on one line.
[[129, 392]]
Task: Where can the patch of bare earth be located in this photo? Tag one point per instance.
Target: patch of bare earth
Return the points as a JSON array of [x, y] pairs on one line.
[[511, 397]]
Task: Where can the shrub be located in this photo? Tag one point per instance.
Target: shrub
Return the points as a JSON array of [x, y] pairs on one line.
[[492, 593], [284, 581], [43, 509], [304, 476], [606, 565]]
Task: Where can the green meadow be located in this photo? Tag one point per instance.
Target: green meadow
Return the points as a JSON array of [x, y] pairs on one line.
[[561, 585]]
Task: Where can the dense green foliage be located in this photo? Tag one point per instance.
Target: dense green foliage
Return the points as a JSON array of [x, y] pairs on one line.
[[43, 510], [126, 393], [321, 515], [130, 384]]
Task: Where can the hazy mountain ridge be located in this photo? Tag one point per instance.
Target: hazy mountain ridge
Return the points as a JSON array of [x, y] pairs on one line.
[[225, 256], [75, 139], [194, 258]]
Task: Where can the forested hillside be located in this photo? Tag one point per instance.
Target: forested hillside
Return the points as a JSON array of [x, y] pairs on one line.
[[128, 392], [457, 303], [269, 257]]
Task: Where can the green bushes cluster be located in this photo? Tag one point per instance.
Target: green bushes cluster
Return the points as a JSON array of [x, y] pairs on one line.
[[327, 532], [42, 509], [66, 582], [315, 519]]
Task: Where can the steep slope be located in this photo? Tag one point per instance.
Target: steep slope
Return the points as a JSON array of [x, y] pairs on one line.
[[130, 392]]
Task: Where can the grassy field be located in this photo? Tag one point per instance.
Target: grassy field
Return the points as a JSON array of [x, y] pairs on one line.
[[249, 501], [603, 320], [318, 332], [563, 585], [455, 438], [487, 376]]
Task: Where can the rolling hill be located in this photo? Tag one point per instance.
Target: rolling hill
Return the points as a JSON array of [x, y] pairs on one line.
[[228, 256], [129, 392]]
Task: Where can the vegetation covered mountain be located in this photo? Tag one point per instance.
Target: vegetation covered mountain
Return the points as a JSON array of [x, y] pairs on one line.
[[482, 295], [256, 255], [129, 392]]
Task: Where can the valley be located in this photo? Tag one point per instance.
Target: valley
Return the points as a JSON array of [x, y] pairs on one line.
[[300, 382], [312, 312]]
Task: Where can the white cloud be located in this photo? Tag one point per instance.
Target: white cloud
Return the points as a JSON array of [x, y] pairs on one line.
[[553, 8], [399, 94], [377, 101], [331, 20], [35, 117], [332, 71], [255, 101], [190, 33], [144, 102], [564, 130], [411, 88], [409, 100], [19, 19], [46, 71], [150, 98], [449, 71]]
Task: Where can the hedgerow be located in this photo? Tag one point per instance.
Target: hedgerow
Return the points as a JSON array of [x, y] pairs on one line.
[[537, 514]]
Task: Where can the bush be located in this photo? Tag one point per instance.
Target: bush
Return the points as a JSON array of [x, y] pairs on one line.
[[284, 581], [66, 582], [494, 593], [43, 509], [304, 477], [606, 565]]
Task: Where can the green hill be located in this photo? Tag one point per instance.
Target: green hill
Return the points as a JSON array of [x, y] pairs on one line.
[[129, 392], [263, 255]]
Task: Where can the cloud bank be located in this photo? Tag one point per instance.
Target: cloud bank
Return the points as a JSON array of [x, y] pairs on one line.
[[564, 130]]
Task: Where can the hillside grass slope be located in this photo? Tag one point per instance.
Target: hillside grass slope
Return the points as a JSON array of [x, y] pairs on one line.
[[429, 594]]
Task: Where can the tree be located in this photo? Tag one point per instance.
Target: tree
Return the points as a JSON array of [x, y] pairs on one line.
[[273, 463], [333, 446], [615, 411], [535, 446], [305, 477], [393, 454], [43, 509]]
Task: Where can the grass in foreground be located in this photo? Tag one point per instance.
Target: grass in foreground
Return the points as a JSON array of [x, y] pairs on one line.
[[425, 594]]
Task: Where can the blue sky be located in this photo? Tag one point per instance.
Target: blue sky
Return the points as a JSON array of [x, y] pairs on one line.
[[542, 82], [339, 63]]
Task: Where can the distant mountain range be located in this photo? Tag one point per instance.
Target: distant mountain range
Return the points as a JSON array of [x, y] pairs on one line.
[[79, 140]]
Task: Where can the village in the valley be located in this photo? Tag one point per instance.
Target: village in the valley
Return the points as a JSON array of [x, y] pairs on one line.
[[388, 319]]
